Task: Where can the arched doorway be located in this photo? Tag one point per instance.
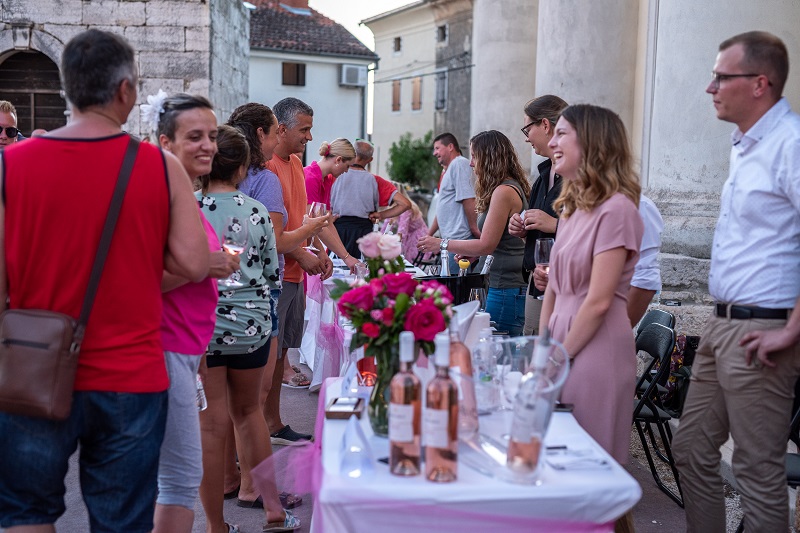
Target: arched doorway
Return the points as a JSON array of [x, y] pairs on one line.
[[30, 80]]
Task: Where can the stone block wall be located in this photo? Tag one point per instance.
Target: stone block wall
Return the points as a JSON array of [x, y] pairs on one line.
[[193, 46]]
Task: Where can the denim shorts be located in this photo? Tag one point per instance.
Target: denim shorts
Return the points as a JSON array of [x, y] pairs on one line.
[[120, 437]]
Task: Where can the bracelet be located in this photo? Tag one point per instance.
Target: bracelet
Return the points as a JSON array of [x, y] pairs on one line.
[[345, 257]]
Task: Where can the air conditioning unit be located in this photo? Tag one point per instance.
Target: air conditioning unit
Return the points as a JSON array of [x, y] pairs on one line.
[[353, 76]]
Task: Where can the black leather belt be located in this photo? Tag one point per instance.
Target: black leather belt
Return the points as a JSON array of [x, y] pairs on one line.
[[743, 312]]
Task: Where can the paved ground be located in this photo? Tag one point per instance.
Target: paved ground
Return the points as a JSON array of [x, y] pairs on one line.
[[654, 513]]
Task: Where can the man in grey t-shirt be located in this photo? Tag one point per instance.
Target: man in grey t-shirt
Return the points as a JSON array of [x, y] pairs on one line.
[[456, 217]]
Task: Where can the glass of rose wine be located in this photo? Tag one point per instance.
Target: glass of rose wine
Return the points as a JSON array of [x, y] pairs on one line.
[[541, 255], [317, 209], [234, 240]]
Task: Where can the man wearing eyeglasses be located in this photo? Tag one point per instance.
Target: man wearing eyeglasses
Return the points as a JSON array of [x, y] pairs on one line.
[[8, 124], [755, 281]]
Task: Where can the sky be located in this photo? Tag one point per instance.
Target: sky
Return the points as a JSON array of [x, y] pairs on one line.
[[349, 13]]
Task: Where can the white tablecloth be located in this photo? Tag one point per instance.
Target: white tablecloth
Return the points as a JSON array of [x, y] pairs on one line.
[[389, 504]]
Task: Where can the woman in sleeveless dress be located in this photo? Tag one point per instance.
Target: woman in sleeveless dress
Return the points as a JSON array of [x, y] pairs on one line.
[[585, 304], [500, 189]]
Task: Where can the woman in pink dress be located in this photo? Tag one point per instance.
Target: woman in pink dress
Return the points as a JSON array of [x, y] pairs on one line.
[[585, 304], [410, 225]]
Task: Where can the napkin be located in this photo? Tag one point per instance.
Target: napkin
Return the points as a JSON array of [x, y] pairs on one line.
[[357, 459], [466, 312]]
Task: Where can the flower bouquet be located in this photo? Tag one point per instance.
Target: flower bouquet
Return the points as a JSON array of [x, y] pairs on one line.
[[388, 302]]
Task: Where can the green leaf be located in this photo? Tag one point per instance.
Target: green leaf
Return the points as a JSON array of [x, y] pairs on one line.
[[401, 304]]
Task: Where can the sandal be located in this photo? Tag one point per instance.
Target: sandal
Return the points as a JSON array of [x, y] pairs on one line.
[[232, 528], [232, 494], [289, 500], [298, 381], [289, 523], [258, 503]]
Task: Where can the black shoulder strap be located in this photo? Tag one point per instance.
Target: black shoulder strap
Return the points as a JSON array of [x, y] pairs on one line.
[[105, 238]]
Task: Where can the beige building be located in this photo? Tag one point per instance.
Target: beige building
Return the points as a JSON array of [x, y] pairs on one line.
[[404, 90]]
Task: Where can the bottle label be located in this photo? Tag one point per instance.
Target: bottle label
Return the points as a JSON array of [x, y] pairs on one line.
[[401, 422], [434, 428]]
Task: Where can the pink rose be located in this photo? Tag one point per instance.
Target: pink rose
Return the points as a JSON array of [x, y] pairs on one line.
[[425, 320], [436, 286], [371, 330], [357, 299], [399, 283], [368, 244], [376, 315], [377, 286], [390, 246], [387, 316]]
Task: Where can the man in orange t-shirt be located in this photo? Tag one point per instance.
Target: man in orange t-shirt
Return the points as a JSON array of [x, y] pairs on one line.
[[295, 120]]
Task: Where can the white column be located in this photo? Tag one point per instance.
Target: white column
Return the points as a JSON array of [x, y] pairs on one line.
[[503, 78]]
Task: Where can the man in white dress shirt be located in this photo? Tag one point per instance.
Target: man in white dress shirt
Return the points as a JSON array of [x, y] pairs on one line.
[[646, 281], [755, 280]]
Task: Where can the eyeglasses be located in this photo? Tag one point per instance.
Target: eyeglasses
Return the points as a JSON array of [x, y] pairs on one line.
[[717, 78], [528, 127], [11, 131]]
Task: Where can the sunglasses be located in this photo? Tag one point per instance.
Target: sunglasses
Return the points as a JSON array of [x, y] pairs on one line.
[[11, 131]]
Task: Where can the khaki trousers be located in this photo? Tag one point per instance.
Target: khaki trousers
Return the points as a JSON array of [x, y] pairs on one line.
[[754, 404], [533, 310]]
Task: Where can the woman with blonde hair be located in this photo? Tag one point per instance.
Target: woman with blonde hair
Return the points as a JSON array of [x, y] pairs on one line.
[[585, 304], [501, 190], [335, 159]]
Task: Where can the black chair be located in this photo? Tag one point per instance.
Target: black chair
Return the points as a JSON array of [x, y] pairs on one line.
[[421, 262], [654, 316], [657, 341]]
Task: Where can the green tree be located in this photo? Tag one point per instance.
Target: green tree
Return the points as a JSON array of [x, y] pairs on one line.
[[411, 161]]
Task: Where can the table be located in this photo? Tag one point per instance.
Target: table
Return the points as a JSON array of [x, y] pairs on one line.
[[591, 499], [326, 343]]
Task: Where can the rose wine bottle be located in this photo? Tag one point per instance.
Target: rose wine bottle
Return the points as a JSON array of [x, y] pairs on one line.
[[440, 419], [487, 264], [531, 412], [405, 416], [444, 271], [461, 373]]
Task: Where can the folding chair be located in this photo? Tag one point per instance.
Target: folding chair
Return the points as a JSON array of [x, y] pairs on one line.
[[654, 316], [657, 341]]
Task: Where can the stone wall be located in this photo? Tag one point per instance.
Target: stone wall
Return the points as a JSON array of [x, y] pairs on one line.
[[173, 39]]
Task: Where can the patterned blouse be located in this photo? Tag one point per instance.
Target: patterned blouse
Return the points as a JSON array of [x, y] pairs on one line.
[[243, 314]]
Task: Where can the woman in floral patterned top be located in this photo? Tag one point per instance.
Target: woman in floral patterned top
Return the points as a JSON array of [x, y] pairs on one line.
[[240, 345]]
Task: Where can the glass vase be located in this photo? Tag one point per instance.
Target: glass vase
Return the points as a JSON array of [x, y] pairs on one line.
[[388, 364]]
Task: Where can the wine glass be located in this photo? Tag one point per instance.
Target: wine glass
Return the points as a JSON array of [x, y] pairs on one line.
[[480, 296], [234, 240], [541, 255], [318, 209]]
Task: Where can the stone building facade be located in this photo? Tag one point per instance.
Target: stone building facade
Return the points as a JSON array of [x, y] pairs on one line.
[[199, 47]]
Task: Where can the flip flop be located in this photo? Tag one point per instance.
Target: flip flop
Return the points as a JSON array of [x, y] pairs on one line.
[[232, 494], [290, 523], [258, 503], [298, 381], [232, 528], [289, 500]]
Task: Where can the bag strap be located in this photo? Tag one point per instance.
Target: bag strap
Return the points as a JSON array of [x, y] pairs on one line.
[[105, 240]]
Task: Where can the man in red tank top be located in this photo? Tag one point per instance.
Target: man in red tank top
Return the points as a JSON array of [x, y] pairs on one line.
[[56, 191]]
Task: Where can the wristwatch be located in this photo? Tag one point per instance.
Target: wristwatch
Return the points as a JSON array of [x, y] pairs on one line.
[[443, 244]]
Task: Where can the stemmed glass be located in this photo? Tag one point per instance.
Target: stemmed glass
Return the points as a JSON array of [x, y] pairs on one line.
[[234, 240], [318, 209], [541, 255]]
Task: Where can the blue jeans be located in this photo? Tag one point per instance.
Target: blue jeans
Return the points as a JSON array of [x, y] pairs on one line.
[[120, 436], [506, 308]]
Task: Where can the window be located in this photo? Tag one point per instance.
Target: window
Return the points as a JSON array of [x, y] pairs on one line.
[[30, 81], [441, 34], [416, 93], [396, 95], [441, 91], [294, 74], [398, 45]]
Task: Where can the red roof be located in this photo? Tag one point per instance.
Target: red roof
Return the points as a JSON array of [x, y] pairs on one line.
[[274, 28]]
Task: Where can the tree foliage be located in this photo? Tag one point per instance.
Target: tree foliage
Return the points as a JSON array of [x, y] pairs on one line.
[[411, 161]]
